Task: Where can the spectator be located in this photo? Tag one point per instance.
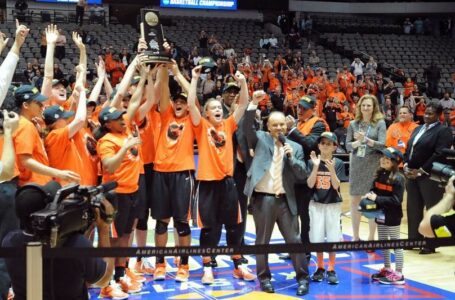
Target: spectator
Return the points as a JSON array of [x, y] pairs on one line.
[[293, 39], [273, 41], [58, 73], [418, 26], [43, 44], [407, 26], [125, 56], [357, 68], [371, 66], [313, 59], [208, 86], [37, 79], [264, 42], [97, 14], [80, 8], [229, 51], [388, 109], [447, 102], [203, 43], [308, 25], [29, 72], [398, 133], [60, 45], [432, 74], [116, 69]]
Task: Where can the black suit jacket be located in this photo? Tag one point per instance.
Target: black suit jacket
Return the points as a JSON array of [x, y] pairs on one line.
[[428, 148]]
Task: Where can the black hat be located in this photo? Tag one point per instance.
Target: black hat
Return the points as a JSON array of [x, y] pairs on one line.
[[62, 81], [330, 136], [182, 96], [26, 93], [393, 153], [229, 86], [110, 114], [307, 102], [55, 112], [369, 209]]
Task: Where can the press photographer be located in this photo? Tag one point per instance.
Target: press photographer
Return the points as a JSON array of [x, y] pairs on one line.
[[43, 210]]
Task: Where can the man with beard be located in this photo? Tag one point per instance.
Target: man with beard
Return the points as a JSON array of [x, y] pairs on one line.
[[173, 176]]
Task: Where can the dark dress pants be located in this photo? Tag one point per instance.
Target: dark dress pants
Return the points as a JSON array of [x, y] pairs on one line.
[[268, 210]]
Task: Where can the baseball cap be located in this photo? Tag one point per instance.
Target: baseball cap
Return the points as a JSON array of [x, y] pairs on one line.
[[393, 153], [369, 209], [182, 96], [330, 136], [62, 81], [26, 93], [231, 85], [54, 113], [307, 102], [207, 64], [110, 114]]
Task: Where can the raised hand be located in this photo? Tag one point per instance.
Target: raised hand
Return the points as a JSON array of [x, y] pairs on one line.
[[196, 72], [142, 45], [3, 40], [144, 70], [239, 77], [11, 121], [174, 67], [316, 160], [100, 68], [51, 34], [258, 96], [130, 142], [77, 39], [21, 33], [330, 164]]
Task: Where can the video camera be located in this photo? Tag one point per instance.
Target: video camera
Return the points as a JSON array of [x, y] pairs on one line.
[[71, 211], [442, 171]]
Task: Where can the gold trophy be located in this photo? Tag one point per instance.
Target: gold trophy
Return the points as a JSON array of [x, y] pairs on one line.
[[152, 32]]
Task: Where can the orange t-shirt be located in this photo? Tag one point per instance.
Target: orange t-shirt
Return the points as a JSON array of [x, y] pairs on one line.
[[216, 152], [62, 152], [175, 150], [86, 147], [127, 174], [398, 135], [16, 168], [408, 88], [27, 141], [420, 109], [266, 73], [149, 135]]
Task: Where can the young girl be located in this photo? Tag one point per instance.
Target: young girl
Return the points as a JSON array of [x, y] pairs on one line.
[[387, 192]]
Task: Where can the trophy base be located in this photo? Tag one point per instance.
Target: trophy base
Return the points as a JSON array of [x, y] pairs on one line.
[[153, 59]]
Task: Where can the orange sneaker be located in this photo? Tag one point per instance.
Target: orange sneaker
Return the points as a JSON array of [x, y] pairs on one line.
[[113, 291], [208, 278], [134, 277], [143, 268], [242, 272], [129, 286], [160, 272], [183, 273]]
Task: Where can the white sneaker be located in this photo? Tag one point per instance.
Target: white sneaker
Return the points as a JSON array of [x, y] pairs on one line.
[[208, 278]]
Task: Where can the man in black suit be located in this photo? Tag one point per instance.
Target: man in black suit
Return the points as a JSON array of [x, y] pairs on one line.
[[277, 165], [424, 147]]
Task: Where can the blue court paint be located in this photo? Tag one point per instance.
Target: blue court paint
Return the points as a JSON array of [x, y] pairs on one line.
[[353, 268]]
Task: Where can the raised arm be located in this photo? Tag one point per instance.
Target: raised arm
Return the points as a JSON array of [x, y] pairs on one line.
[[178, 76], [162, 80], [195, 114], [150, 96], [125, 83], [81, 113], [243, 96], [9, 64], [51, 39], [101, 72], [135, 101], [8, 156]]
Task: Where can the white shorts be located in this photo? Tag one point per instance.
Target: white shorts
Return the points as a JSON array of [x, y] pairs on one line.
[[325, 223]]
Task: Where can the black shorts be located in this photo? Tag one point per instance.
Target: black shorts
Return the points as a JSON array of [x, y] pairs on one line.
[[142, 206], [126, 214], [217, 203], [174, 192]]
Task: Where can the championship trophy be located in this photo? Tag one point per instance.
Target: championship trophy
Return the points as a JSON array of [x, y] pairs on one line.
[[152, 32]]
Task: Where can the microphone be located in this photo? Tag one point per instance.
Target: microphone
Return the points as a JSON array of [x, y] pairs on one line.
[[282, 140]]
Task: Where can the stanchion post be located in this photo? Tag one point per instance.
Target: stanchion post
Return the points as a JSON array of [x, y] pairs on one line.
[[34, 261]]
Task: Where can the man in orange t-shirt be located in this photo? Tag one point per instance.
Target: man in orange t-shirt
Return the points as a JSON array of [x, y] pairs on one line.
[[398, 133], [31, 156], [217, 200]]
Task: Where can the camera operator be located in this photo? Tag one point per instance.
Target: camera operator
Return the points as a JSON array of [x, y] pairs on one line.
[[63, 278], [8, 172], [439, 221]]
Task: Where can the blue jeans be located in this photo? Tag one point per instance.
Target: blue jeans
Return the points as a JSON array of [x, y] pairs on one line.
[[8, 222]]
